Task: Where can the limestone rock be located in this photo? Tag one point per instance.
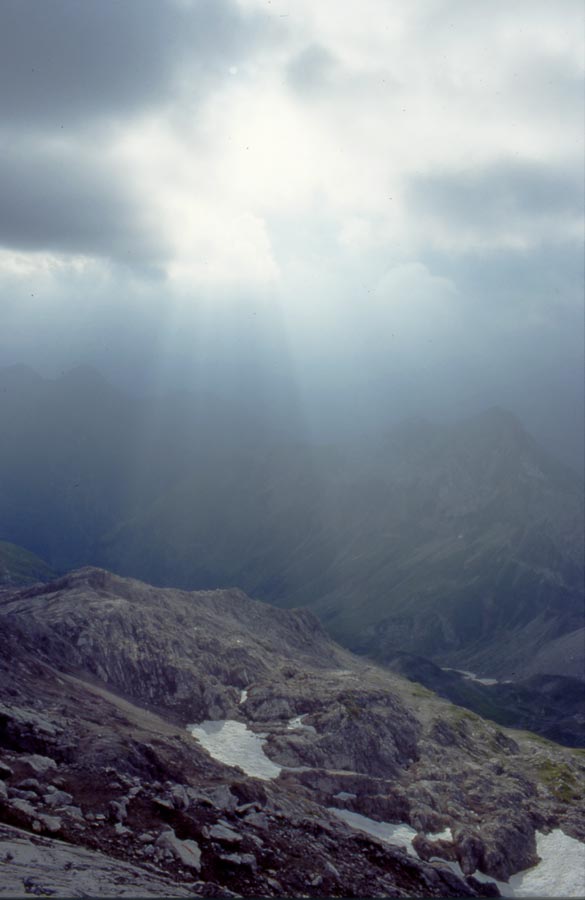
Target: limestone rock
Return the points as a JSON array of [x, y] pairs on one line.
[[58, 798], [39, 764], [223, 833], [187, 852]]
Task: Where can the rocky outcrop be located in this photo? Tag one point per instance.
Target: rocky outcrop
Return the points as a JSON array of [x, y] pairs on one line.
[[40, 866], [100, 675], [168, 649]]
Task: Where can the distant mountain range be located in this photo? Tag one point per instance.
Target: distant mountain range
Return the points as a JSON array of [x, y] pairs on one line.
[[460, 543]]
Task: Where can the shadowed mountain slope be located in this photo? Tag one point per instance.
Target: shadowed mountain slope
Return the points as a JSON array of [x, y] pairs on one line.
[[461, 542], [18, 566]]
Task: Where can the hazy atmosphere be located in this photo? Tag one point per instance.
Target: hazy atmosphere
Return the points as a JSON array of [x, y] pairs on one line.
[[366, 211], [292, 508]]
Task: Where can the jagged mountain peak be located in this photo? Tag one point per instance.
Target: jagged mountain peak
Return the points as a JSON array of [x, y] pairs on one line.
[[83, 373]]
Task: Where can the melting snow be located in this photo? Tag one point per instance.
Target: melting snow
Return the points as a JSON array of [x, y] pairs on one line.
[[399, 835], [471, 676], [446, 835], [234, 744], [243, 697], [297, 722], [560, 873]]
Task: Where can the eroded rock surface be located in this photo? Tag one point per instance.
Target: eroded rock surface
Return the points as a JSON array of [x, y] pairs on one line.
[[99, 677]]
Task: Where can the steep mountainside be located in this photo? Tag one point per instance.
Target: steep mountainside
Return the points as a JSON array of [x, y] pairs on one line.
[[463, 543], [459, 543], [18, 566], [99, 677]]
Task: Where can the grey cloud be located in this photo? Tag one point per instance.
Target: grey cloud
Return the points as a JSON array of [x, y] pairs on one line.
[[499, 194], [310, 69], [66, 60], [67, 202]]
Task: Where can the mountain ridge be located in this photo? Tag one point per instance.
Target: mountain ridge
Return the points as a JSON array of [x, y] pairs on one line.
[[452, 541], [100, 676]]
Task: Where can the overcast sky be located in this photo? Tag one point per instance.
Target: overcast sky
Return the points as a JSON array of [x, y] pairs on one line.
[[378, 202]]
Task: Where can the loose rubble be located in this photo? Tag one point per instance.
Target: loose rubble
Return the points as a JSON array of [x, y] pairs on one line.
[[99, 678]]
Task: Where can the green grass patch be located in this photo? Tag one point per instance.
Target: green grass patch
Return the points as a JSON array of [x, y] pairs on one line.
[[559, 779]]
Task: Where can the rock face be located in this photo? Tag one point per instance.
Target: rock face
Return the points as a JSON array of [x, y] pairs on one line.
[[99, 677], [43, 867]]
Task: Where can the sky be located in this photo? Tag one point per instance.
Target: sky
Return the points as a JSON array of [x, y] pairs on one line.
[[366, 210]]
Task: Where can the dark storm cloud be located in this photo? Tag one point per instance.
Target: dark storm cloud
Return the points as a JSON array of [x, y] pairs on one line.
[[62, 201], [499, 194], [67, 60], [68, 63]]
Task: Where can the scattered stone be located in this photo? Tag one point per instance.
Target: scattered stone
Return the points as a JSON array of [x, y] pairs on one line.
[[164, 802], [23, 806], [22, 795], [31, 784], [223, 833], [5, 771], [40, 765], [258, 820], [179, 796], [29, 720], [118, 810], [73, 811], [222, 797], [187, 852], [52, 824], [146, 838], [58, 798], [254, 806], [240, 859], [332, 870]]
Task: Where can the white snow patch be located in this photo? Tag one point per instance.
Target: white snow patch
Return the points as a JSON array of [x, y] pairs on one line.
[[471, 676], [560, 873], [243, 697], [398, 834], [297, 722], [446, 835], [234, 744]]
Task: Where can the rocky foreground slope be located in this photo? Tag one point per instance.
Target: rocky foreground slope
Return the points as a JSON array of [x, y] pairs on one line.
[[104, 791]]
